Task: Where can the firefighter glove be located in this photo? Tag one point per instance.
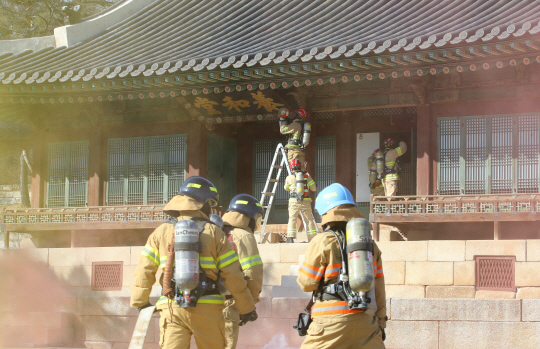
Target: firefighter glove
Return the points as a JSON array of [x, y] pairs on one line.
[[244, 318], [144, 306], [383, 334]]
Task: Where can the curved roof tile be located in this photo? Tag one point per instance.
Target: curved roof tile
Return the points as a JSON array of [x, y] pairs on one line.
[[172, 35]]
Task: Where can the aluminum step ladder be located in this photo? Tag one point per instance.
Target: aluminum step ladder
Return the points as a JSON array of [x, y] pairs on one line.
[[270, 195]]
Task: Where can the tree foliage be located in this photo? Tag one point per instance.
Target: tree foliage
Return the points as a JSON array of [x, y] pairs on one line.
[[29, 18]]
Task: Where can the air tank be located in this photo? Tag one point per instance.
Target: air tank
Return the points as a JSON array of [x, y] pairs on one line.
[[214, 218], [379, 159], [360, 255], [186, 271], [372, 172], [299, 184], [307, 134]]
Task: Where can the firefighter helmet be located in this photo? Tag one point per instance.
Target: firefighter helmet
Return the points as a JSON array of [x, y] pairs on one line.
[[283, 113], [375, 152], [200, 189], [301, 112], [295, 164], [388, 142], [246, 205]]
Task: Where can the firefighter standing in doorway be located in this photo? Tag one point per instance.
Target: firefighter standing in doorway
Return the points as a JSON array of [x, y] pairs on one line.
[[299, 134], [186, 310], [391, 164], [339, 320], [299, 183], [241, 220], [375, 185]]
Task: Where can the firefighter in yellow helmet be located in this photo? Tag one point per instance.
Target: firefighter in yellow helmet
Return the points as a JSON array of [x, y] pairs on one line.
[[375, 185], [391, 177], [298, 132], [340, 317], [299, 183], [241, 220], [198, 311]]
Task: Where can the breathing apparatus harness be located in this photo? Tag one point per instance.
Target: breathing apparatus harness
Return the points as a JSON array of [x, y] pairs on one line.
[[297, 142], [394, 169], [206, 286]]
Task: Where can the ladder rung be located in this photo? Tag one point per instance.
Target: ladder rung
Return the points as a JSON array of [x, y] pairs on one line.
[[269, 194], [273, 180], [278, 166]]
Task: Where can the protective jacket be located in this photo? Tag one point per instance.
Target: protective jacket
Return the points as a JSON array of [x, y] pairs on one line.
[[309, 184], [322, 264], [217, 258], [390, 161], [294, 130], [245, 245]]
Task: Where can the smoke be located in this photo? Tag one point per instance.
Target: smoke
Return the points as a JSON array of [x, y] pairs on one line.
[[278, 341]]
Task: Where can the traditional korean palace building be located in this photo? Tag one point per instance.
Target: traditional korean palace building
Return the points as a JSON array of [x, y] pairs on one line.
[[126, 105]]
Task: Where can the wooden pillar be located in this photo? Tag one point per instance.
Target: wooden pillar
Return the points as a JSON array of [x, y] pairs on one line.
[[196, 150], [376, 231], [496, 231], [39, 150], [6, 240], [423, 150], [94, 168]]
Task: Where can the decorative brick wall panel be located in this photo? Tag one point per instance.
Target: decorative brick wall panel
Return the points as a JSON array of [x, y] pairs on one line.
[[107, 276], [496, 273]]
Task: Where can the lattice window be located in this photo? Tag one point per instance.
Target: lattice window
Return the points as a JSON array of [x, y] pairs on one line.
[[489, 155], [145, 170], [495, 273], [67, 183], [325, 162], [107, 276], [382, 112], [325, 116]]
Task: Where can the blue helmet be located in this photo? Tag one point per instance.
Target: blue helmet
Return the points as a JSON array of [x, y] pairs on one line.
[[332, 196]]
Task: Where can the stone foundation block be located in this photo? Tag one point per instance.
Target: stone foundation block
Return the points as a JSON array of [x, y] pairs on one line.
[[106, 254], [527, 274], [74, 276], [288, 308], [488, 335], [394, 273], [450, 291], [112, 328], [62, 257], [291, 252], [98, 345], [533, 250], [464, 273], [270, 253], [412, 335], [135, 254], [102, 306], [405, 291], [397, 251], [38, 254], [497, 248], [272, 273], [429, 273], [263, 331], [456, 309], [446, 251], [528, 292], [264, 307], [495, 294], [531, 310]]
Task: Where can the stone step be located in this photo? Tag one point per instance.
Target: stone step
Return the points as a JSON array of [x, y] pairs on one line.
[[288, 281], [301, 259], [294, 270], [289, 292]]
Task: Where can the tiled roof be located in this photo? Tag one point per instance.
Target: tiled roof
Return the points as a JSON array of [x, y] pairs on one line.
[[171, 35]]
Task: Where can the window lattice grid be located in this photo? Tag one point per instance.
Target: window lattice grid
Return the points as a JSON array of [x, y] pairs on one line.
[[501, 155], [78, 174], [475, 156], [177, 164], [495, 273], [136, 171], [325, 161], [56, 193], [528, 153], [450, 138], [406, 183], [107, 276], [156, 169], [115, 180]]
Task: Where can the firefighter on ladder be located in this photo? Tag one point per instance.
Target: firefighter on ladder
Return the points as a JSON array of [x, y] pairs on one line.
[[298, 132], [179, 317], [391, 166], [241, 220], [299, 183], [337, 319], [375, 185]]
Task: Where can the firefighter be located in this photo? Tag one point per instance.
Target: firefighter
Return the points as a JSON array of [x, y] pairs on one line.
[[375, 185], [217, 260], [241, 220], [299, 183], [391, 164], [298, 134], [334, 324]]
